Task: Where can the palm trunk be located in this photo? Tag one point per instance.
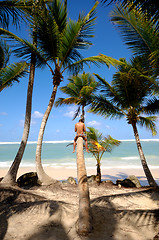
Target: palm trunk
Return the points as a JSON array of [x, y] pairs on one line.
[[148, 174], [10, 178], [43, 177], [82, 115], [98, 180], [85, 218]]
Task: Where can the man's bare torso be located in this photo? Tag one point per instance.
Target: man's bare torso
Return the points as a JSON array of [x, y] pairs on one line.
[[80, 128]]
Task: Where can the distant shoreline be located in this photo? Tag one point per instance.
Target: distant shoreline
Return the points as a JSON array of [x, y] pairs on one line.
[[69, 141]]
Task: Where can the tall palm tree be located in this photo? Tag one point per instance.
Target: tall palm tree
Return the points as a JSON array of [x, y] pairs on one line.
[[79, 89], [140, 34], [10, 177], [85, 217], [60, 41], [98, 145], [130, 96], [9, 73]]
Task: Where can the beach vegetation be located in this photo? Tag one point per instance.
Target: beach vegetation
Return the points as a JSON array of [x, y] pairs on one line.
[[79, 91], [98, 145], [130, 95]]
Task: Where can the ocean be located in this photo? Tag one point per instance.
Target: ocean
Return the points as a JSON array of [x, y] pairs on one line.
[[58, 154]]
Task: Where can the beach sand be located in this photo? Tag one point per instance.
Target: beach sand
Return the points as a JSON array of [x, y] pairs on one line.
[[51, 212], [107, 174]]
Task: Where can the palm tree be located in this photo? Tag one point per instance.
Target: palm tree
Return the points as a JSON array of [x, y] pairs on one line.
[[98, 145], [60, 40], [10, 177], [140, 34], [130, 96], [9, 73], [80, 88], [85, 217]]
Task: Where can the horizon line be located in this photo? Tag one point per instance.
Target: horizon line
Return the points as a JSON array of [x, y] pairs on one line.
[[67, 141]]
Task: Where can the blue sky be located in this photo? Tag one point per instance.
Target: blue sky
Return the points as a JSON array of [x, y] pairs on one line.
[[60, 125]]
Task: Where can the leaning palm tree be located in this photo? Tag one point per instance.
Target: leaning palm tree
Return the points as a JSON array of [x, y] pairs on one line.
[[79, 89], [130, 96], [32, 7], [98, 145], [60, 41]]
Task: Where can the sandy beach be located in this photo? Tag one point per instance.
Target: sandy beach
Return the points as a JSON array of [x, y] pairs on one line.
[[51, 212], [107, 174]]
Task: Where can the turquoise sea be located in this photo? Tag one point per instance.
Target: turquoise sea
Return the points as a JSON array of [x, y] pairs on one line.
[[57, 154]]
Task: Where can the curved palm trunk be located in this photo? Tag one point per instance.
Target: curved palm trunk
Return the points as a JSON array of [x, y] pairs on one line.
[[148, 174], [10, 178], [85, 218], [43, 177]]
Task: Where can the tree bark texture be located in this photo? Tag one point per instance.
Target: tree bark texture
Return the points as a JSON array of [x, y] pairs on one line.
[[147, 171], [85, 218]]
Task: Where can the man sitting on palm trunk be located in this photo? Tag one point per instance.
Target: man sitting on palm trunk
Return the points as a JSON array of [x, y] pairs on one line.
[[81, 132]]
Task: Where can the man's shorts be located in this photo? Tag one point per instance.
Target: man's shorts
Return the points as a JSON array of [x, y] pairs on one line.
[[80, 135]]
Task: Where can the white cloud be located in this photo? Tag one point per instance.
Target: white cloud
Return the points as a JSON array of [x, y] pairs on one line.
[[37, 114], [3, 113], [69, 114], [57, 130], [94, 123]]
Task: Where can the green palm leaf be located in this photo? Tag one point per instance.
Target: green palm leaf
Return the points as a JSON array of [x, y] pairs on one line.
[[138, 32], [149, 123], [12, 73]]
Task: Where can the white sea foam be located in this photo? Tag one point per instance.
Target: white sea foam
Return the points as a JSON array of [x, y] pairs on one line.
[[70, 141], [34, 142], [130, 158]]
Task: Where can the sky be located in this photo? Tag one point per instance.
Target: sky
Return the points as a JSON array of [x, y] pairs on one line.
[[60, 126]]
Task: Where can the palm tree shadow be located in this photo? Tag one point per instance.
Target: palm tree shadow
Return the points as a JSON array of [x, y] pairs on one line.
[[17, 201], [109, 218]]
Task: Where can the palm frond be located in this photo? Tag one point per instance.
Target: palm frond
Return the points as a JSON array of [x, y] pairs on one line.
[[76, 113], [65, 101], [4, 54], [12, 73], [23, 48], [101, 106], [76, 37], [149, 123], [138, 32], [152, 106]]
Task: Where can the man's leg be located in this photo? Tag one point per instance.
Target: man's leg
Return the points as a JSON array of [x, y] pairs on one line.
[[86, 145], [74, 146]]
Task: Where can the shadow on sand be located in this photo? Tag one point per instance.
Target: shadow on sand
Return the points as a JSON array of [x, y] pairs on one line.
[[107, 212]]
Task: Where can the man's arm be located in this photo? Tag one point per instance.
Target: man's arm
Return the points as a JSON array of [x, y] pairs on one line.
[[75, 128]]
